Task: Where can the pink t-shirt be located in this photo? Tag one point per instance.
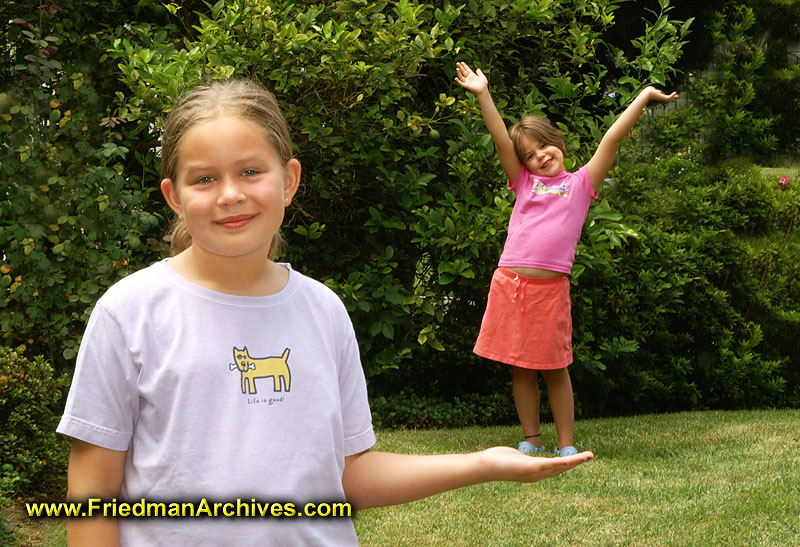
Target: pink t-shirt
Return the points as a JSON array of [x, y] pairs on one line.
[[547, 220]]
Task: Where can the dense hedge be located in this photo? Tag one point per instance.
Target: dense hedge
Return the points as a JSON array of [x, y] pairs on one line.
[[74, 216], [32, 456], [699, 310], [684, 283]]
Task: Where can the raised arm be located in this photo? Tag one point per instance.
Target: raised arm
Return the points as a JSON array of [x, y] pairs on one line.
[[479, 85], [376, 479], [603, 157], [94, 472]]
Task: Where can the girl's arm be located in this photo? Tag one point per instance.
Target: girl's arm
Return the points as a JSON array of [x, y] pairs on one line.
[[479, 85], [376, 479], [603, 158], [94, 472]]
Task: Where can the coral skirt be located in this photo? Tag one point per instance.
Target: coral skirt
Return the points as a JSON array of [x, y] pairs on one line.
[[528, 321]]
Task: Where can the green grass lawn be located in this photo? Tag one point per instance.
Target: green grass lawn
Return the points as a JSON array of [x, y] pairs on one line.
[[696, 478], [700, 478]]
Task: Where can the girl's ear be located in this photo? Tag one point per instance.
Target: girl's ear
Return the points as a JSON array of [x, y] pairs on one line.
[[291, 181], [172, 197]]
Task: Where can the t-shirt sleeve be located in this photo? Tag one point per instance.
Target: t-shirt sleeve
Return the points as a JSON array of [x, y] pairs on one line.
[[516, 184], [102, 404], [356, 416]]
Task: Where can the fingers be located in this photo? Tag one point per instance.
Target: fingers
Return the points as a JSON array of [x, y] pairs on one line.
[[570, 462], [463, 71], [551, 467], [661, 96]]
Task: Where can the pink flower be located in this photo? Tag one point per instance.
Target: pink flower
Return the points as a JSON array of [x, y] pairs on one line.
[[784, 182]]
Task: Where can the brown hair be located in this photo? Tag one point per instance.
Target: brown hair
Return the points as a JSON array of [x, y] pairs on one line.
[[243, 98], [538, 128]]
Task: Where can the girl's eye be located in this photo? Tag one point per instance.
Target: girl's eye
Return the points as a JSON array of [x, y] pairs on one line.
[[249, 172], [205, 180]]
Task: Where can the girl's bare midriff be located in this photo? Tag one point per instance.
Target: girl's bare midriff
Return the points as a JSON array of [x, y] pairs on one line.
[[535, 272]]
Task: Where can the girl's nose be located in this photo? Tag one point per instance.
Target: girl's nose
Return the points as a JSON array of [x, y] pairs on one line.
[[229, 192]]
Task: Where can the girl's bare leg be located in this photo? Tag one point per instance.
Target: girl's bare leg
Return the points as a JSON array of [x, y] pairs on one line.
[[526, 398], [562, 404]]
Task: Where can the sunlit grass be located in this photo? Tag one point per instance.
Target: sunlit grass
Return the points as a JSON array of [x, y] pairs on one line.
[[700, 478]]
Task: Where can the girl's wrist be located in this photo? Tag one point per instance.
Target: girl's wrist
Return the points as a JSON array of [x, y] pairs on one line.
[[486, 467]]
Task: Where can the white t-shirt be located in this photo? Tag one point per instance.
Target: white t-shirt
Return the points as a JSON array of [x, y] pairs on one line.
[[223, 397]]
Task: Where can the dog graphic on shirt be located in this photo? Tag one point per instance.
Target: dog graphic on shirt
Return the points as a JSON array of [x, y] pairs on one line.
[[261, 367]]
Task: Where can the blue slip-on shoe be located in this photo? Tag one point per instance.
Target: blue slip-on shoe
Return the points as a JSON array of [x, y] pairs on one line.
[[527, 448], [566, 451]]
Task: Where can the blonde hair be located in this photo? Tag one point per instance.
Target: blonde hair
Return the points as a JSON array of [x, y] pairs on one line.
[[538, 128], [243, 98]]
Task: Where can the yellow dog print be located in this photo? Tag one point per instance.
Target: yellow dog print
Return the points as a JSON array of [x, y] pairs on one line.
[[261, 367]]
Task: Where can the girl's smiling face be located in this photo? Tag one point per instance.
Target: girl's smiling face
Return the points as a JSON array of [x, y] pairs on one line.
[[544, 160], [230, 187]]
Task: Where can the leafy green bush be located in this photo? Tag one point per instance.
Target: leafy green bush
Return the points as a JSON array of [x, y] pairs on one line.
[[777, 83], [672, 323], [409, 410], [72, 221], [734, 124], [6, 530], [33, 458], [773, 257]]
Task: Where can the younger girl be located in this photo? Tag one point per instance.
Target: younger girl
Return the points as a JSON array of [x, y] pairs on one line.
[[527, 323], [221, 375]]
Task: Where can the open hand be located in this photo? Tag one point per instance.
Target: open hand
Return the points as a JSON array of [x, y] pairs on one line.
[[507, 464], [469, 80], [655, 95]]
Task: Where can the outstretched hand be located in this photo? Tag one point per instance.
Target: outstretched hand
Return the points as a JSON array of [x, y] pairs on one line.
[[376, 479], [507, 464], [469, 80], [654, 94]]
